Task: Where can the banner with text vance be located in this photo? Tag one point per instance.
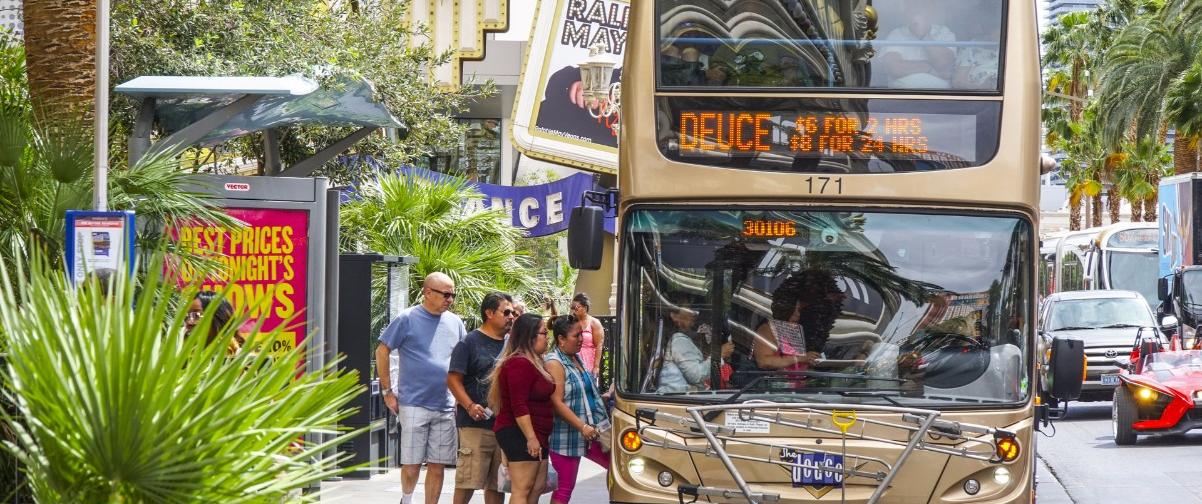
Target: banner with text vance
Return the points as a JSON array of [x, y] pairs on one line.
[[541, 209]]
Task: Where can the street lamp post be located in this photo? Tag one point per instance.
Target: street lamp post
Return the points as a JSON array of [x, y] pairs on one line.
[[100, 144], [602, 97]]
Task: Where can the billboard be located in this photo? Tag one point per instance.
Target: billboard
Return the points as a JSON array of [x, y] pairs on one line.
[[551, 119], [266, 262]]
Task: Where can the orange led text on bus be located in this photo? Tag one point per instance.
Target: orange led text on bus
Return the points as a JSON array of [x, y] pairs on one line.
[[751, 132]]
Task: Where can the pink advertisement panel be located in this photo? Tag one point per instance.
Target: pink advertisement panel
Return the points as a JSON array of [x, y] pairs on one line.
[[267, 263]]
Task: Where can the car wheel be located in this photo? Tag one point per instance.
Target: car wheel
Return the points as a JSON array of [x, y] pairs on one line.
[[1122, 416]]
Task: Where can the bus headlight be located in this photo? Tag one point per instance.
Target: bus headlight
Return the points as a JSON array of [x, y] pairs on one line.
[[1001, 476], [637, 465]]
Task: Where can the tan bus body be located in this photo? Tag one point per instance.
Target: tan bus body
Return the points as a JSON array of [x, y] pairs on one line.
[[1005, 185]]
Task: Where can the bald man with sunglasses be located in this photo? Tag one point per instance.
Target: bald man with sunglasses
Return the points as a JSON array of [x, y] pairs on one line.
[[425, 336]]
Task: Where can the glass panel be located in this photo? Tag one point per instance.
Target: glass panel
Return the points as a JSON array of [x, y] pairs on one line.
[[1135, 238], [807, 135], [891, 44], [1099, 312], [825, 306], [1136, 271], [477, 157]]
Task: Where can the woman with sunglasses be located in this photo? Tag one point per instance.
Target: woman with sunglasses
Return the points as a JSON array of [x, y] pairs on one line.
[[578, 408], [222, 316], [520, 394]]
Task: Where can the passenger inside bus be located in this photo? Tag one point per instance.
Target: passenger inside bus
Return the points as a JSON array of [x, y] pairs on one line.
[[912, 54], [686, 368], [804, 309], [977, 65]]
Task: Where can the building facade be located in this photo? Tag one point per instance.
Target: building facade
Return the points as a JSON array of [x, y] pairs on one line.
[[10, 17], [1057, 8]]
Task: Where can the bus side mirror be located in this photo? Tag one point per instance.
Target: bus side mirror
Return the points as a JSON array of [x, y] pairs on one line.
[[1067, 365], [1168, 325], [1162, 289], [585, 232]]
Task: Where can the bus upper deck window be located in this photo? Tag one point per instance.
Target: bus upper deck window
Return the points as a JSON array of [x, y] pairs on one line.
[[895, 44]]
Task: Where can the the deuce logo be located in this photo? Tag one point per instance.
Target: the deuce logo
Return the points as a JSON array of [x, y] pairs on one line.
[[237, 186], [809, 469]]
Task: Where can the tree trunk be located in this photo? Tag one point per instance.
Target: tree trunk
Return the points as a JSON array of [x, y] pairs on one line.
[[1137, 210], [1074, 215], [1150, 209], [60, 56], [1113, 203], [1185, 156], [1096, 218]]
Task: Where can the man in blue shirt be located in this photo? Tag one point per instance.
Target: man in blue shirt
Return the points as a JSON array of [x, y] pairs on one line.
[[424, 335]]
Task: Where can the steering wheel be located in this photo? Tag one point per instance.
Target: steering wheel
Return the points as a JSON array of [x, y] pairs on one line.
[[968, 340]]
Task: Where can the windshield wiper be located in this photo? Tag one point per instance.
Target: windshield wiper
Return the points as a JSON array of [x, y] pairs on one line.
[[1072, 328], [1120, 325], [887, 395], [774, 376]]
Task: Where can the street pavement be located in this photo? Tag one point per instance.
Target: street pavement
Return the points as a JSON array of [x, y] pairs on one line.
[[1083, 458], [386, 488]]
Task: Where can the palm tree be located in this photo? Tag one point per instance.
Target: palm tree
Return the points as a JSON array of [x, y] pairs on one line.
[[432, 220], [60, 37], [1082, 166], [1138, 173], [1069, 53], [1183, 108], [1142, 67], [45, 169], [118, 405]]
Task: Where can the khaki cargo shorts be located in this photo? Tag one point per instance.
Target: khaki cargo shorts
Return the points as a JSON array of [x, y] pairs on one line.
[[479, 459]]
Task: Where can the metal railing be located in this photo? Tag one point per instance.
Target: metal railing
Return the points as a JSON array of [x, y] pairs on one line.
[[917, 430]]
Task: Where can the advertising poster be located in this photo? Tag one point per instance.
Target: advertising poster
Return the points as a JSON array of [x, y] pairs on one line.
[[552, 120], [266, 263], [98, 241]]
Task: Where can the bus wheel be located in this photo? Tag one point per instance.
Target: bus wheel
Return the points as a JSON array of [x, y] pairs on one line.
[[1122, 416]]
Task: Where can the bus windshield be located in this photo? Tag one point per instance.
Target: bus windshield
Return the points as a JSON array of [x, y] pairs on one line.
[[1135, 270], [890, 44], [790, 305]]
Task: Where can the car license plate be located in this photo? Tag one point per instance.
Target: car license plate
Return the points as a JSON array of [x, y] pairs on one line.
[[811, 474], [1110, 379]]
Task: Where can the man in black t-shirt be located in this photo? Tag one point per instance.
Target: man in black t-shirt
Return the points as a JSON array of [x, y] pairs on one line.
[[472, 361]]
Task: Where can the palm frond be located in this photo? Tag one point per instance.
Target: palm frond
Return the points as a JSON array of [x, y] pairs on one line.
[[118, 406]]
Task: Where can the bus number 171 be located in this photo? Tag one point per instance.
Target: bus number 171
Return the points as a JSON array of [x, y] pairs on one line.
[[824, 185]]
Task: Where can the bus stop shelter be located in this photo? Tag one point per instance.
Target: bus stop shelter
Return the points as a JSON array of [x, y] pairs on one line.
[[205, 110]]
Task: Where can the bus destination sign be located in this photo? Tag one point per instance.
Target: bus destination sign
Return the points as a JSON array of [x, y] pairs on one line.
[[821, 135], [751, 132]]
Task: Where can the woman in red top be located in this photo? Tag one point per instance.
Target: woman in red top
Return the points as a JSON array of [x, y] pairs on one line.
[[521, 395]]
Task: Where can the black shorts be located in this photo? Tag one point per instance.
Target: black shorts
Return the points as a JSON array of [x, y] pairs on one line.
[[513, 444]]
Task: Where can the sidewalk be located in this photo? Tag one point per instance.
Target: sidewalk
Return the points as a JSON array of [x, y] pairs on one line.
[[590, 487], [386, 488]]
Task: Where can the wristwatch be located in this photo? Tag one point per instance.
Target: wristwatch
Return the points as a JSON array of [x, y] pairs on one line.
[[387, 391]]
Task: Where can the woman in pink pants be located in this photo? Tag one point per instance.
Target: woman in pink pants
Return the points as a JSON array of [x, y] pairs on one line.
[[580, 415]]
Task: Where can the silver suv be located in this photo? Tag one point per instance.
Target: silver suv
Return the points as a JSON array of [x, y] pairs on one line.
[[1107, 321]]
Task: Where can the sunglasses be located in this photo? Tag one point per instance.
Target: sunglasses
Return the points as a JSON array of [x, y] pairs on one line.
[[445, 295]]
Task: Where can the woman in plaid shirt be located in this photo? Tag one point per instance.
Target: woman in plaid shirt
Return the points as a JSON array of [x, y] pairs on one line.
[[578, 409]]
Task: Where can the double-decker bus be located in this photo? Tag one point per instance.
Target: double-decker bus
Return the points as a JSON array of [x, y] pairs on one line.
[[826, 252]]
